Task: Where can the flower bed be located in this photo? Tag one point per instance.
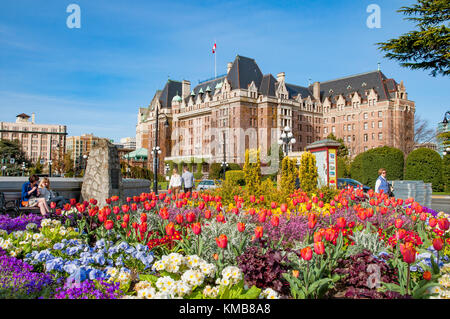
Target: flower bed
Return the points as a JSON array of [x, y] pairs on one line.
[[351, 245]]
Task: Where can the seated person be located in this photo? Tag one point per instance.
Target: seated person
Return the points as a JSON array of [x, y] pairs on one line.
[[31, 196], [49, 195]]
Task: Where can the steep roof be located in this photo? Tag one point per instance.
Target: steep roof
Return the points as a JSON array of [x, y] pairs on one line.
[[23, 115], [360, 83], [243, 71], [267, 86], [295, 90], [170, 90]]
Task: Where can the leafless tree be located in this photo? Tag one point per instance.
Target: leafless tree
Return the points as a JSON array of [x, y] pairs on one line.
[[423, 133]]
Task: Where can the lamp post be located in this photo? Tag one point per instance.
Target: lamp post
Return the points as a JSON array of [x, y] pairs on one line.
[[156, 150], [23, 168], [286, 139], [50, 167], [224, 162]]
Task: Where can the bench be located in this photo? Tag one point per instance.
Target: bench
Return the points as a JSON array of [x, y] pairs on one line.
[[10, 205]]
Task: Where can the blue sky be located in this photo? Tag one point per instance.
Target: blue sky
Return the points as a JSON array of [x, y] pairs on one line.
[[95, 78]]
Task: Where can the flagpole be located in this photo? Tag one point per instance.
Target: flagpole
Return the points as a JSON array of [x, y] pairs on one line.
[[215, 53]]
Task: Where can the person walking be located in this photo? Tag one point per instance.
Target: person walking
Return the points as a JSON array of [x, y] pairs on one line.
[[49, 195], [31, 196], [188, 180], [175, 182], [382, 184]]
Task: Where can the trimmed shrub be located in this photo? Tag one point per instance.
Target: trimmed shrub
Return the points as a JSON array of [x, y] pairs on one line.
[[289, 174], [235, 177], [365, 166], [215, 171], [252, 171], [426, 165], [234, 167], [308, 172], [446, 172], [343, 167]]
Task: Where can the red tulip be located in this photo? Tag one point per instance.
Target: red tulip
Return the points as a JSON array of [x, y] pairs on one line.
[[258, 231], [220, 218], [143, 227], [438, 243], [73, 201], [170, 229], [58, 211], [125, 208], [163, 213], [443, 224], [432, 222], [109, 224], [341, 222], [306, 253], [320, 204], [308, 206], [408, 252], [398, 223], [126, 218], [133, 207], [319, 248], [423, 216], [207, 214], [252, 211], [52, 205], [222, 241], [240, 227], [108, 201], [252, 198], [143, 217], [128, 199], [179, 218], [275, 221], [261, 198], [318, 236], [262, 217], [190, 217], [197, 228], [283, 207], [118, 217], [273, 205], [201, 205]]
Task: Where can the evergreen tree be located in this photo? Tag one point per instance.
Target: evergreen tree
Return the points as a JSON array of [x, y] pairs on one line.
[[428, 47]]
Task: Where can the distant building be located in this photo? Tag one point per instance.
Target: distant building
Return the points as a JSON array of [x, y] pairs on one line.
[[441, 128], [78, 146], [44, 141], [430, 145], [128, 142]]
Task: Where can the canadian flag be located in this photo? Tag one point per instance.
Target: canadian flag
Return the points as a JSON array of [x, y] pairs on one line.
[[214, 48]]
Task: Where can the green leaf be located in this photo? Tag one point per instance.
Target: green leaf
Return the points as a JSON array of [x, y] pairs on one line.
[[252, 293], [149, 278]]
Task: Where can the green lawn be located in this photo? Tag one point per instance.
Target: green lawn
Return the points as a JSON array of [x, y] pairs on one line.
[[441, 193]]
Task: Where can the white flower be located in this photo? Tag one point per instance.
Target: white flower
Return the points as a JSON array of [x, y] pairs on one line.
[[269, 293], [142, 285], [124, 276], [182, 289], [147, 293]]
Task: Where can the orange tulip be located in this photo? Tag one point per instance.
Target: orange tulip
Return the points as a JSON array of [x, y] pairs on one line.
[[197, 228], [319, 248], [306, 253], [170, 229], [258, 231], [427, 275]]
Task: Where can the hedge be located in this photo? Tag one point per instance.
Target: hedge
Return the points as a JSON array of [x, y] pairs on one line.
[[425, 164], [365, 166], [446, 172], [236, 177]]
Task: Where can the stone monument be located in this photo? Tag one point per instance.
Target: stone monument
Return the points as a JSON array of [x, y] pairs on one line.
[[102, 178]]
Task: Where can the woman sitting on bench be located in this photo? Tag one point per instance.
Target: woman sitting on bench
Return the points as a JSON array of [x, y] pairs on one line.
[[49, 195], [31, 196]]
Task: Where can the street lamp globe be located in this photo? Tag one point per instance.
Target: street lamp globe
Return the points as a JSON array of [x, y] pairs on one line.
[[287, 129], [293, 141], [283, 135], [290, 135], [280, 142]]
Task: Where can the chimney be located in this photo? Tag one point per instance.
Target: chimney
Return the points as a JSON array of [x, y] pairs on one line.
[[185, 88], [280, 77], [229, 65], [32, 117], [316, 90]]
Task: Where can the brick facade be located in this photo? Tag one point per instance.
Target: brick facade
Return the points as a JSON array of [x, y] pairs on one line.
[[367, 110]]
